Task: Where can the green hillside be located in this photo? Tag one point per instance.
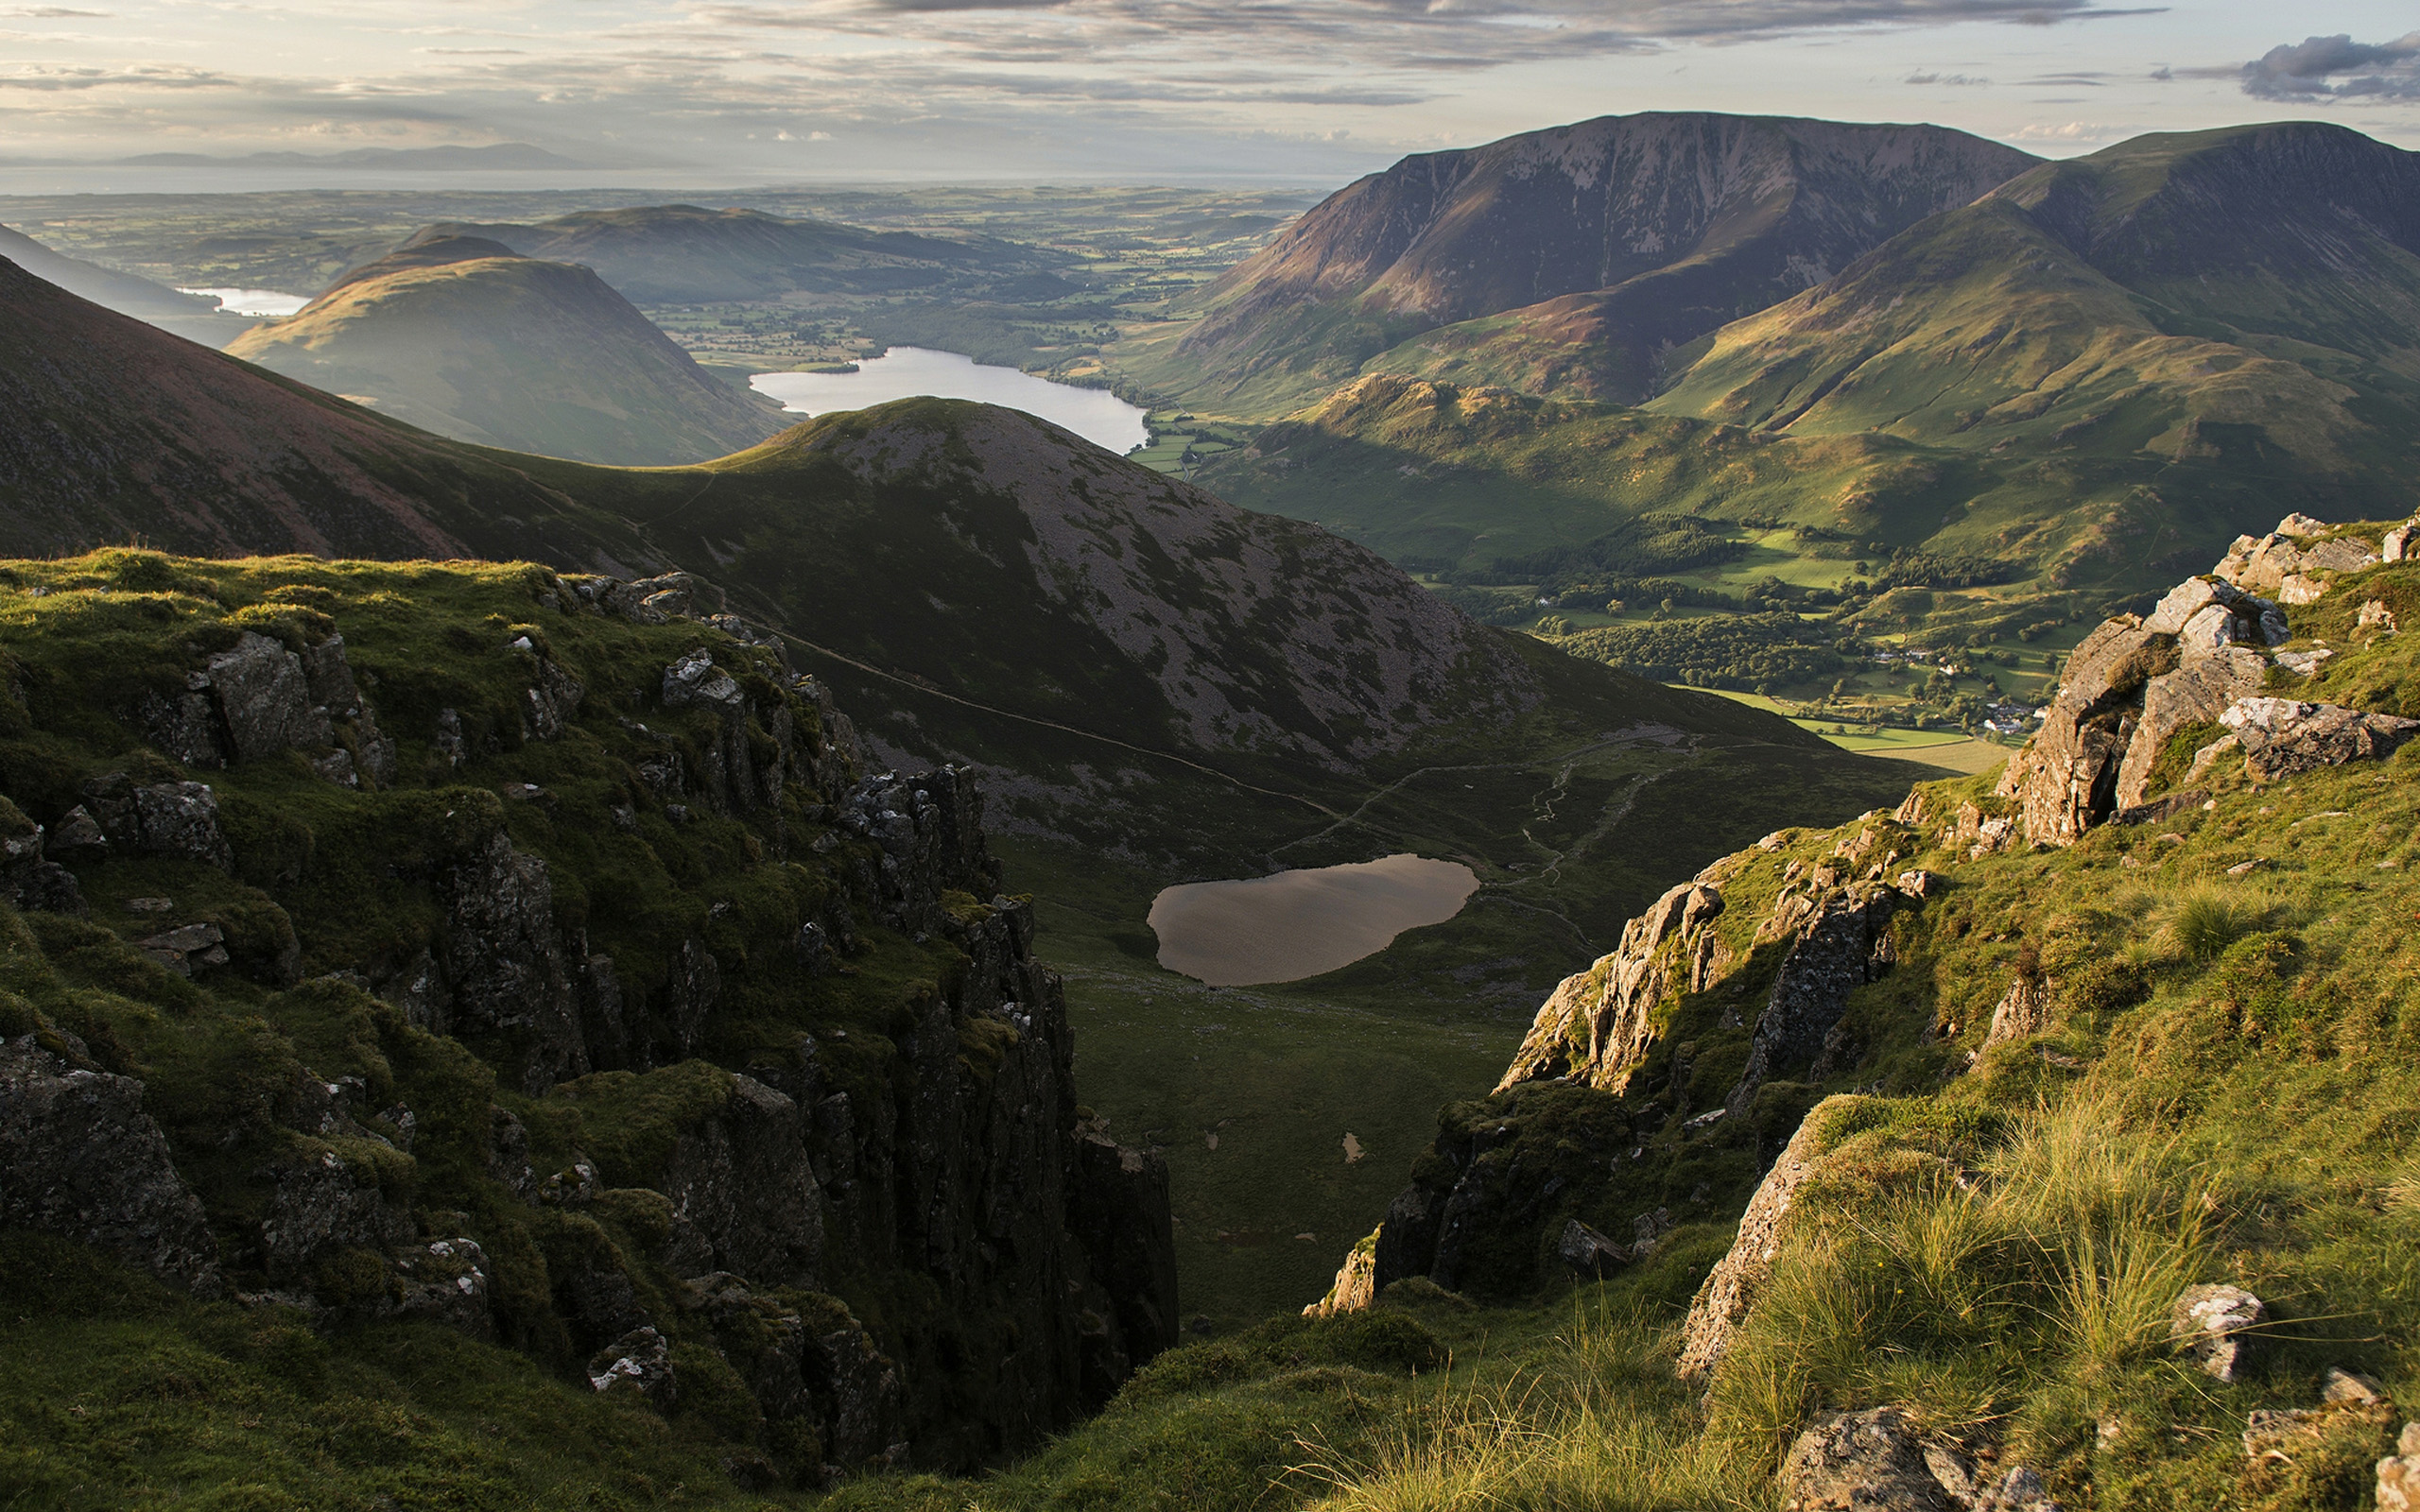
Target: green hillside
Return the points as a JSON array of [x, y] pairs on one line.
[[461, 337]]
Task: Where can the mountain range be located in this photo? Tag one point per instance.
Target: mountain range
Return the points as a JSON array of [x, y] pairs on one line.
[[2089, 377], [468, 338]]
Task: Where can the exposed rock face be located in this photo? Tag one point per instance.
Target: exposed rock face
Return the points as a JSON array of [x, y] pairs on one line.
[[2025, 1009], [1730, 1290], [504, 961], [1840, 946], [1597, 1024], [2201, 657], [79, 1159], [2399, 1488], [744, 1197]]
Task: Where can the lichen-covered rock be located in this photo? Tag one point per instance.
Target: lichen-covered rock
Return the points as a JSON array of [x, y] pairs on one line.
[[2023, 1010], [2282, 736], [742, 1191], [320, 1203], [2214, 1324], [178, 819], [2399, 1474], [1868, 1461], [2064, 781], [79, 1159], [504, 961], [640, 1363], [1730, 1289], [444, 1281], [1355, 1287], [1588, 1252], [1597, 1024], [264, 700]]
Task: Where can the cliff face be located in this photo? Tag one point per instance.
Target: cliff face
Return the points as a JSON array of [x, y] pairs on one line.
[[530, 956]]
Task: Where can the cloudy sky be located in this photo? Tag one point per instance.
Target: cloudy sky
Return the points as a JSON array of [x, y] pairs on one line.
[[757, 90]]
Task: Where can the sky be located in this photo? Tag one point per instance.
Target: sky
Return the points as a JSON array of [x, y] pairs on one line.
[[766, 91]]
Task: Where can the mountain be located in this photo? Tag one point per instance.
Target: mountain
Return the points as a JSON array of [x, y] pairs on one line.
[[190, 316], [674, 254], [2249, 295], [1598, 244], [466, 337]]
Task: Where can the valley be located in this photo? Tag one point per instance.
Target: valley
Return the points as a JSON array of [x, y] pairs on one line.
[[1646, 816]]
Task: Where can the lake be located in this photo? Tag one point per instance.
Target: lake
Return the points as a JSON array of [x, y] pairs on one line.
[[253, 301], [907, 372], [1300, 923]]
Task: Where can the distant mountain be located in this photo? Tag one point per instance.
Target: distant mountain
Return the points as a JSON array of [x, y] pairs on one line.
[[190, 316], [2071, 390], [1608, 242], [465, 338], [502, 155], [672, 254]]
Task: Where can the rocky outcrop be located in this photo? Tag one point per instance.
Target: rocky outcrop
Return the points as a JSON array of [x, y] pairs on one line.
[[1730, 1289], [1841, 943], [79, 1159], [2280, 737], [1599, 1023], [179, 820], [2201, 657]]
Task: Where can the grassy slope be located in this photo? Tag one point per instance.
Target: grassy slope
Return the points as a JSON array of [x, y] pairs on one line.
[[2220, 1096], [515, 353]]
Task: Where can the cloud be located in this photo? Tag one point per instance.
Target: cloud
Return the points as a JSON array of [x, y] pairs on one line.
[[2074, 131], [2324, 68], [54, 78], [1961, 80], [51, 14]]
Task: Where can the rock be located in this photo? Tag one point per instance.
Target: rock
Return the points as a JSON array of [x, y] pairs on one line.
[[178, 819], [2019, 1491], [328, 676], [1598, 1024], [2197, 693], [2305, 663], [2283, 736], [2398, 1484], [548, 705], [2345, 1386], [444, 1282], [1730, 1289], [739, 1180], [336, 767], [1589, 1252], [1353, 1288], [323, 1203], [2375, 616], [1867, 1461], [449, 740], [2024, 1010], [639, 1363], [184, 950], [76, 834], [504, 961], [48, 888], [1834, 954], [79, 1159], [2397, 544], [264, 700], [2213, 1322]]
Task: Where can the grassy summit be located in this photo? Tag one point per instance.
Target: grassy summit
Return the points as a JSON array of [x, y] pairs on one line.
[[465, 338]]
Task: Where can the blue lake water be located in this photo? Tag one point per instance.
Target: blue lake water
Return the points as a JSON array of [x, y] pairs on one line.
[[907, 372]]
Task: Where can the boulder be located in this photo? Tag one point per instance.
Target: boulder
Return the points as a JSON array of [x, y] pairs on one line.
[[1588, 1252], [1598, 1023], [178, 819], [1355, 1287], [2282, 736], [264, 700], [505, 968], [2214, 1324], [444, 1281], [79, 1159], [185, 949], [639, 1364], [2023, 1010], [1868, 1461], [76, 834], [2397, 544]]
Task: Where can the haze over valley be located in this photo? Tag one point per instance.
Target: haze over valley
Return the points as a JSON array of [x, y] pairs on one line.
[[1604, 757]]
